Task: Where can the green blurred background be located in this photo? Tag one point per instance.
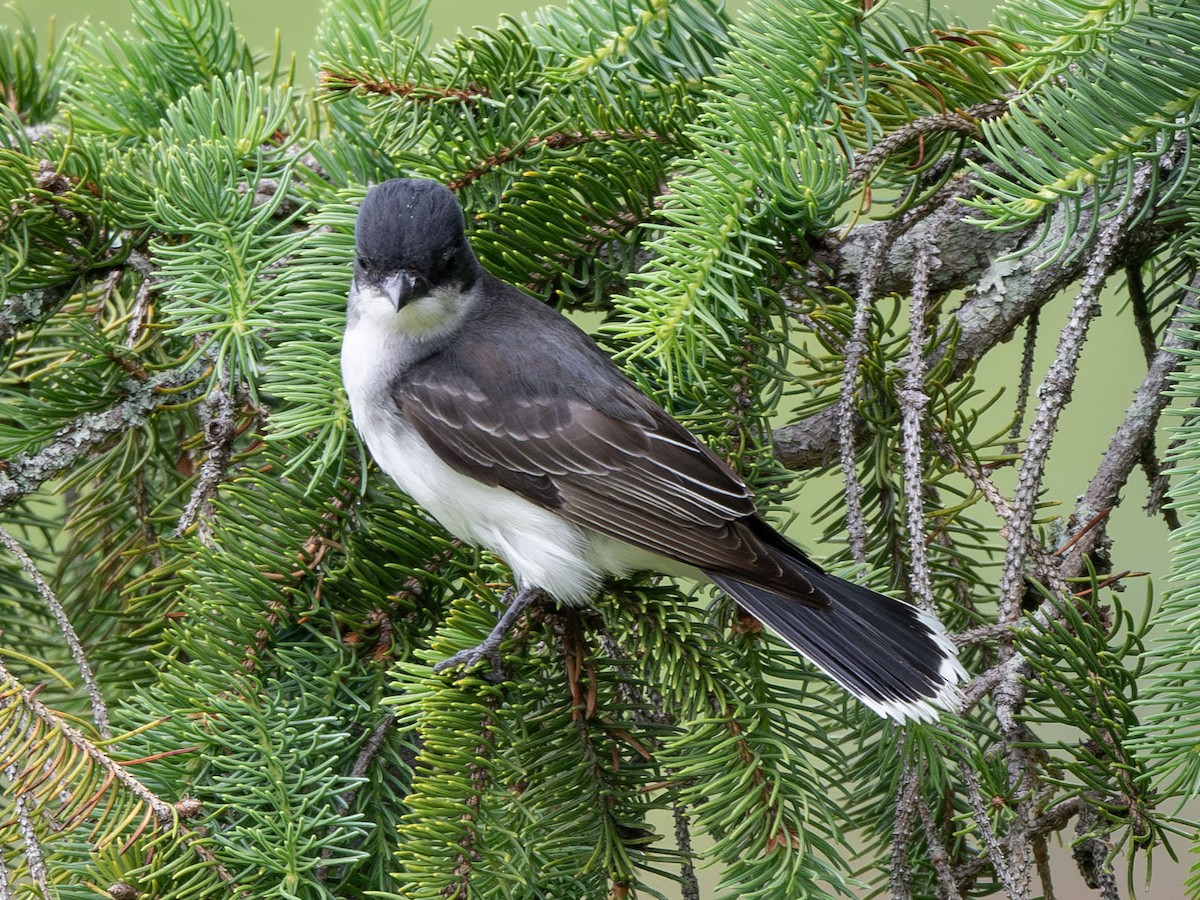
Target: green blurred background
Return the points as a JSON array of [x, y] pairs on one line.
[[1111, 369], [296, 20]]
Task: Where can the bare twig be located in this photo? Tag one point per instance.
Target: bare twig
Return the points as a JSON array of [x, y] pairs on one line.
[[1055, 391], [689, 885], [1140, 305], [854, 353], [899, 872], [1125, 448], [1043, 562], [368, 752], [219, 432], [95, 698], [1028, 352], [1156, 498], [947, 887], [1009, 275], [1041, 857], [985, 633], [1009, 691], [141, 505], [1052, 820], [915, 130], [1016, 883], [913, 402]]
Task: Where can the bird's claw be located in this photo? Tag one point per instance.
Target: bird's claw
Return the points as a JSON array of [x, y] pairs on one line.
[[515, 604], [469, 657]]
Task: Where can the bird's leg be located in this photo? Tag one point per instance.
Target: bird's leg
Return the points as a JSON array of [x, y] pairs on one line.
[[489, 649]]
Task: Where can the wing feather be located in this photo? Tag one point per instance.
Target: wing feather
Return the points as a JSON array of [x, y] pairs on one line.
[[646, 480]]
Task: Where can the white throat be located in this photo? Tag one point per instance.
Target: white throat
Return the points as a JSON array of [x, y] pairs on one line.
[[380, 343], [434, 316]]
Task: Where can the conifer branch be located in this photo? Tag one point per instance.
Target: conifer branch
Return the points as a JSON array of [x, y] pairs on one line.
[[782, 836], [412, 588], [479, 774], [335, 82], [165, 816], [556, 140], [367, 754], [717, 145], [309, 556]]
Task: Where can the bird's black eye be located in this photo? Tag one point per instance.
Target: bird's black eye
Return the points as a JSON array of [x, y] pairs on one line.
[[360, 260], [448, 260]]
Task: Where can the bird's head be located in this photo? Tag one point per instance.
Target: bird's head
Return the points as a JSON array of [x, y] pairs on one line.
[[410, 244]]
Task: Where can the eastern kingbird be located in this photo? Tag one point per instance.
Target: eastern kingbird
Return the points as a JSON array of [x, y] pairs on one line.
[[518, 434]]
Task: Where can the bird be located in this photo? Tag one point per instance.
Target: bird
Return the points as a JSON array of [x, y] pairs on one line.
[[514, 430]]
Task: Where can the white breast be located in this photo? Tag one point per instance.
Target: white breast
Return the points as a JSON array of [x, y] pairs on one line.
[[542, 548]]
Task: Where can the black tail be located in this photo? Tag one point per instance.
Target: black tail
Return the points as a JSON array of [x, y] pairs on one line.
[[895, 658]]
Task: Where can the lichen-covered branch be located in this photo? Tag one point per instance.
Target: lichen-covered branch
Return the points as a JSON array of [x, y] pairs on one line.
[[1008, 276], [99, 708], [25, 473], [19, 310]]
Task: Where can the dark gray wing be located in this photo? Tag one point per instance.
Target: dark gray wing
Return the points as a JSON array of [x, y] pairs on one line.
[[596, 451]]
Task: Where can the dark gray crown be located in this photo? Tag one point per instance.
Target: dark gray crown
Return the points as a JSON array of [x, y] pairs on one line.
[[415, 226]]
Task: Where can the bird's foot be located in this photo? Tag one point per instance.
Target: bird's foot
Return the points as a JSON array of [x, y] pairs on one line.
[[489, 648]]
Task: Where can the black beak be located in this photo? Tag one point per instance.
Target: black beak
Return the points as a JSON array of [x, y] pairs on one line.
[[402, 288]]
